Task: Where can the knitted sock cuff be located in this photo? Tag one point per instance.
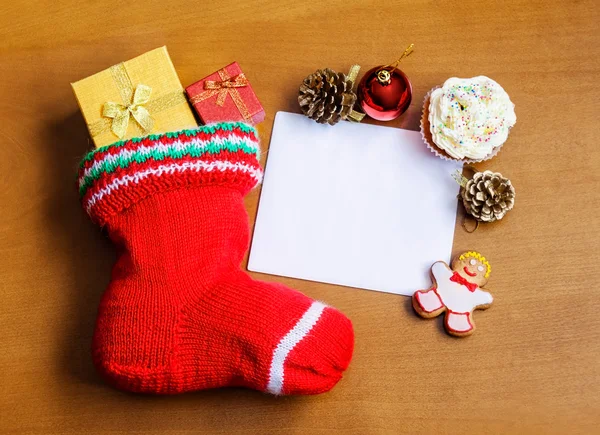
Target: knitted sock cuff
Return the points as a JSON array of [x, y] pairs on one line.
[[115, 177]]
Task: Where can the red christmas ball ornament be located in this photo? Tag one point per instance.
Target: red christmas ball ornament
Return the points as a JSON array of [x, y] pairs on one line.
[[385, 92]]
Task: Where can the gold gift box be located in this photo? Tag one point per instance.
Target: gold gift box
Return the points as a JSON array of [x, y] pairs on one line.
[[134, 98]]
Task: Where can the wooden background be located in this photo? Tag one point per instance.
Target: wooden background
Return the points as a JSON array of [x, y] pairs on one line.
[[533, 366]]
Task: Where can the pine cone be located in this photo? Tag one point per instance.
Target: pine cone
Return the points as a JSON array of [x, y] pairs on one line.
[[327, 96], [488, 196]]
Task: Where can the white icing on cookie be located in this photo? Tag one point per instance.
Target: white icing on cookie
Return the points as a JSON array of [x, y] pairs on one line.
[[457, 297]]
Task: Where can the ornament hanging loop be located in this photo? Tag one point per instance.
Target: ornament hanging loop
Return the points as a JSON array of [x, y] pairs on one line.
[[464, 224], [409, 50], [383, 75]]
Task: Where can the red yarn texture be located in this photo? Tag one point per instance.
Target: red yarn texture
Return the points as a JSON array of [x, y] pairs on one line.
[[179, 315]]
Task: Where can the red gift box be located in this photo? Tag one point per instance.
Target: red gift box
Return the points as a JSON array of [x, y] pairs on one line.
[[226, 95]]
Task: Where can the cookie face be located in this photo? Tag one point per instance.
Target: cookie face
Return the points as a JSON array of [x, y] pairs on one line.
[[471, 268]]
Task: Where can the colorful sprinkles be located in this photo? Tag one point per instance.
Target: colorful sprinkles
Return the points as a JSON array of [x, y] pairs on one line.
[[470, 117]]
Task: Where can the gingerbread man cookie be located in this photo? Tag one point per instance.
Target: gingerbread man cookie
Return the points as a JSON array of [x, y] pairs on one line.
[[456, 291]]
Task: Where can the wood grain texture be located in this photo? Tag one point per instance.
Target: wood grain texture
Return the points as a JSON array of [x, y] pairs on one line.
[[533, 367]]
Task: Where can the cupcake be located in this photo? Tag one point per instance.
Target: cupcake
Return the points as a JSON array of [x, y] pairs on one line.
[[467, 119]]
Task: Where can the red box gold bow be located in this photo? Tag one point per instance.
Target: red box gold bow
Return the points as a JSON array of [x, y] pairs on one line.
[[226, 95]]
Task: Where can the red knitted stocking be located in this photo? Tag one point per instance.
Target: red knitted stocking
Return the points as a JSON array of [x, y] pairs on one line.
[[179, 315]]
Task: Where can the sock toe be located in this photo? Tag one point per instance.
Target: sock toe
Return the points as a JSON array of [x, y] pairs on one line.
[[316, 363]]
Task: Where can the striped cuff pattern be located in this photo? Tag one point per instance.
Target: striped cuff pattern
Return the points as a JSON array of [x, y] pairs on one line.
[[115, 177]]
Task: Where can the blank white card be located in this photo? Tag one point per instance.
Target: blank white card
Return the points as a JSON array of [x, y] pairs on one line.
[[353, 204]]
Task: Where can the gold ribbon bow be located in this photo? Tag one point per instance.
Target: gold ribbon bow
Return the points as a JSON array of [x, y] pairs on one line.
[[120, 113], [221, 88], [135, 102]]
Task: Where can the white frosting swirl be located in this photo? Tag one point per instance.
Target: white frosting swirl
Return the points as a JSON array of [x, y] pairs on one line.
[[468, 118]]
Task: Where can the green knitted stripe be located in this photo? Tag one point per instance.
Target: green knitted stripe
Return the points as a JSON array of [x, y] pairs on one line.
[[113, 162], [209, 129]]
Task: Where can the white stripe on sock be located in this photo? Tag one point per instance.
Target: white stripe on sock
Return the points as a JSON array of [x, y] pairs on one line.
[[300, 330], [219, 165]]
